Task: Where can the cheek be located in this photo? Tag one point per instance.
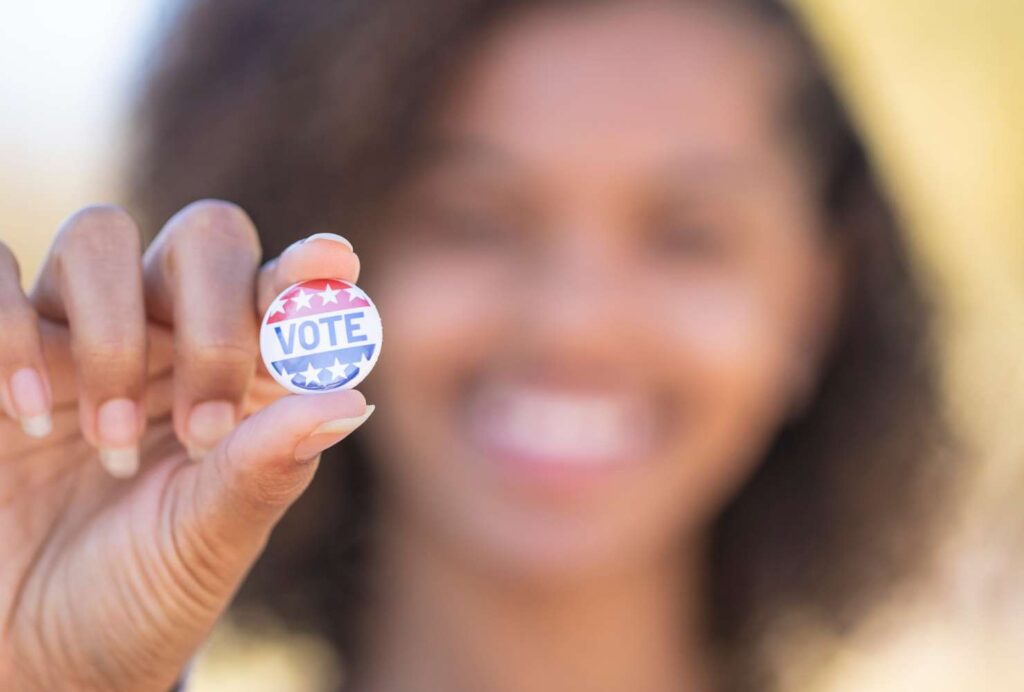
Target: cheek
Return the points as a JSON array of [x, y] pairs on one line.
[[732, 346], [440, 312], [440, 320], [731, 335]]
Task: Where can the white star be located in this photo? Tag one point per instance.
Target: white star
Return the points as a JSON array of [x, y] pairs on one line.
[[277, 306], [329, 295], [302, 299], [355, 293], [363, 364], [337, 370], [311, 374]]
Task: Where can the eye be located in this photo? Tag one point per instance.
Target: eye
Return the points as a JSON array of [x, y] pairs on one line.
[[466, 227], [690, 240]]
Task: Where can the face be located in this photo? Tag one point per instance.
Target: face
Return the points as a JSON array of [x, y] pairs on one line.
[[603, 292]]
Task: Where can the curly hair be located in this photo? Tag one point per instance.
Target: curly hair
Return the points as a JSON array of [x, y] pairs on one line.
[[310, 113]]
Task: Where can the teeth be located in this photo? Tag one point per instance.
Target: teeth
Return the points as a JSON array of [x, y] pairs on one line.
[[566, 427]]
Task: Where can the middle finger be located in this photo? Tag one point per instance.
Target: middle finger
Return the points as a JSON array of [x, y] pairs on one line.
[[200, 276]]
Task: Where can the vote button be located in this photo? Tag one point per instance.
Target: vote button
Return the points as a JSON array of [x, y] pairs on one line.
[[321, 335]]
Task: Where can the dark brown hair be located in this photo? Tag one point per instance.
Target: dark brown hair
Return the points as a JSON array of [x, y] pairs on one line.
[[308, 112]]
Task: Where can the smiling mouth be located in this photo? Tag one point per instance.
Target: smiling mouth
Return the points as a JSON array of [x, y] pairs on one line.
[[557, 428]]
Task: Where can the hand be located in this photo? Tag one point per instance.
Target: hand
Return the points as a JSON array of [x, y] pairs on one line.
[[117, 551]]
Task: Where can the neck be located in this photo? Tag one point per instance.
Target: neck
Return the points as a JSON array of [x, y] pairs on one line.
[[442, 622]]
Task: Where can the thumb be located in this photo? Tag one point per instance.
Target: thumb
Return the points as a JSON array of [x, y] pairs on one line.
[[250, 479]]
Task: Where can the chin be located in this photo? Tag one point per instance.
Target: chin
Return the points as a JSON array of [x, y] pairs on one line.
[[531, 546]]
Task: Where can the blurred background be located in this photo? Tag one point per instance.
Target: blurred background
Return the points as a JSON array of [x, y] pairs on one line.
[[937, 86]]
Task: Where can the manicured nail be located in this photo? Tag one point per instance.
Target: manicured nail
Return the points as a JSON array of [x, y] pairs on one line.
[[31, 403], [331, 236], [37, 426], [328, 434], [120, 463], [209, 423], [117, 426]]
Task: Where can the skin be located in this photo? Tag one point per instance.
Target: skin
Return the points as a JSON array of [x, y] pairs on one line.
[[611, 175], [110, 583]]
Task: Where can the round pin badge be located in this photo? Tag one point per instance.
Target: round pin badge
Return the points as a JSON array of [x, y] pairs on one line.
[[321, 335]]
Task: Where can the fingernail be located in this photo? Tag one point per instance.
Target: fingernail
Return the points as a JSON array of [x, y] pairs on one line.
[[331, 236], [31, 404], [37, 426], [117, 426], [120, 463], [209, 423], [294, 245], [328, 434]]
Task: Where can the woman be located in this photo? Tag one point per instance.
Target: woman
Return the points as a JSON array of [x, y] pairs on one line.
[[656, 374]]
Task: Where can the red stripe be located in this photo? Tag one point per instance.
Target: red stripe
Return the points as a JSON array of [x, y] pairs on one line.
[[316, 304]]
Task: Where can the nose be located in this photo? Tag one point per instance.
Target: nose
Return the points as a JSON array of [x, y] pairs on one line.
[[577, 301]]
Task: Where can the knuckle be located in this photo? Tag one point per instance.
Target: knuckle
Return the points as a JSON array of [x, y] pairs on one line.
[[273, 488], [99, 229], [15, 313], [218, 220], [103, 215], [219, 356], [21, 348], [9, 263], [263, 487], [17, 320], [125, 355], [19, 326]]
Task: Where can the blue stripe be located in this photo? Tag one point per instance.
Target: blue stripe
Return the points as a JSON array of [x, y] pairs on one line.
[[345, 356]]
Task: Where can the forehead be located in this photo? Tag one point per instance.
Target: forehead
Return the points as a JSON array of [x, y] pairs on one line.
[[629, 80]]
